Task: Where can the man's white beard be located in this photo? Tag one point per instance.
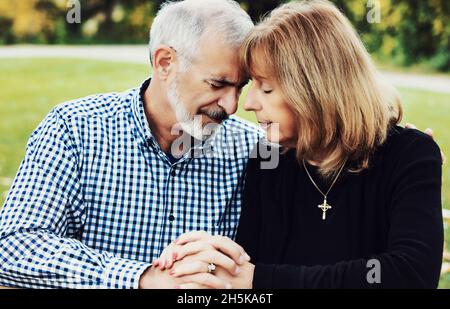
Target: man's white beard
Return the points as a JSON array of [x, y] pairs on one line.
[[191, 124]]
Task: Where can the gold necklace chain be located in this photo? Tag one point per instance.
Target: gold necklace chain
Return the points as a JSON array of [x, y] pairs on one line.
[[325, 206]]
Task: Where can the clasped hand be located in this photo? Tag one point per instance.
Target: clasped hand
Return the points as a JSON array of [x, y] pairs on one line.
[[197, 260]]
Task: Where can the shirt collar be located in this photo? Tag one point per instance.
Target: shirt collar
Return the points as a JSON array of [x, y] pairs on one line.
[[139, 113]]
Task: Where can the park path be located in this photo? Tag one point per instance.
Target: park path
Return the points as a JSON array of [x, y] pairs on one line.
[[139, 54]]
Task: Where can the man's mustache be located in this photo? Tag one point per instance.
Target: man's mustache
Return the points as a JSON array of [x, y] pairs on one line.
[[218, 114]]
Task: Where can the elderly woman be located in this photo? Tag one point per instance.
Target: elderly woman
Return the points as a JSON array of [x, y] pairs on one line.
[[355, 201]]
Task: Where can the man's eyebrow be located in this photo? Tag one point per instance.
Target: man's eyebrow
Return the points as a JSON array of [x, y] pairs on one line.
[[227, 82]]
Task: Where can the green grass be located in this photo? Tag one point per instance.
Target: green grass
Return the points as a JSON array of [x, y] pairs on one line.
[[30, 88]]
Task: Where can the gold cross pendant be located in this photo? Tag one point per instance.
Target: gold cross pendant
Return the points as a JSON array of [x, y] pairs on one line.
[[324, 207]]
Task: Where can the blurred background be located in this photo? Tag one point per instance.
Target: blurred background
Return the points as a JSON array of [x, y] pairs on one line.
[[52, 51]]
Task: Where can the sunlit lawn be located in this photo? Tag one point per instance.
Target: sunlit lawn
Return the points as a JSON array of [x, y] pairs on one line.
[[30, 88]]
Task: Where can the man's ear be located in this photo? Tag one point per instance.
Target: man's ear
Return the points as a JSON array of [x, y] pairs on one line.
[[164, 61]]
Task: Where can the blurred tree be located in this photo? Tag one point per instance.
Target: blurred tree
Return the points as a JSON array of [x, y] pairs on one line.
[[412, 32], [25, 20], [257, 9]]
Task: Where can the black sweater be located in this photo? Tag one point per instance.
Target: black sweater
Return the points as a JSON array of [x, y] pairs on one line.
[[390, 212]]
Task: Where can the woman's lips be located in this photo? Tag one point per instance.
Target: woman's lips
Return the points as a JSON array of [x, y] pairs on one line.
[[265, 125]]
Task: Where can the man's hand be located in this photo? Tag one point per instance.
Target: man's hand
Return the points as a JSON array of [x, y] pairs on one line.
[[430, 133], [154, 278]]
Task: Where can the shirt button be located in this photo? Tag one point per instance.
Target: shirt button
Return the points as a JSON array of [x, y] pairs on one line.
[[171, 218]]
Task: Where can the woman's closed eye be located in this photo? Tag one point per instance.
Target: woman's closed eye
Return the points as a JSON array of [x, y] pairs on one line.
[[215, 85], [267, 89]]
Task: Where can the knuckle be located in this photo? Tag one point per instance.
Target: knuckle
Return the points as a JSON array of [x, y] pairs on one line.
[[221, 238], [204, 278]]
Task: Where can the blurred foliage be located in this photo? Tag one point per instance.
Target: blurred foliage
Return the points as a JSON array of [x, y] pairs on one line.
[[409, 32]]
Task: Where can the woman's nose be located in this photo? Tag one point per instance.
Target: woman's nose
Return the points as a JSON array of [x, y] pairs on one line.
[[251, 102]]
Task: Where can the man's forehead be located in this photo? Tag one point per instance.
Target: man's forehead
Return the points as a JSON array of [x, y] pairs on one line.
[[219, 59], [214, 50]]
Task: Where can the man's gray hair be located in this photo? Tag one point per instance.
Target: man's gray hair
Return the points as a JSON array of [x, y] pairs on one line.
[[180, 25]]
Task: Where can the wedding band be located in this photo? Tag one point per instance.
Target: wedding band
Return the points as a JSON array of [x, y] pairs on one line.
[[211, 268]]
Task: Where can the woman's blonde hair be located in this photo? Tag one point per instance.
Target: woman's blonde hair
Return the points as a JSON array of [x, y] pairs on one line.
[[343, 108]]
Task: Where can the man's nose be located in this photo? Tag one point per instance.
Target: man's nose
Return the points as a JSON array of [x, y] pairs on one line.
[[229, 101]]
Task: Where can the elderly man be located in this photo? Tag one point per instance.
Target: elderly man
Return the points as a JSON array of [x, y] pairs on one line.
[[108, 182]]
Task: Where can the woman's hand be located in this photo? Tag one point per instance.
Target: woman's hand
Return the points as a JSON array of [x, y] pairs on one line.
[[181, 271]]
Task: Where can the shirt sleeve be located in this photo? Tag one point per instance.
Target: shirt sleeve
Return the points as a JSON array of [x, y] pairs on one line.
[[43, 217], [413, 256]]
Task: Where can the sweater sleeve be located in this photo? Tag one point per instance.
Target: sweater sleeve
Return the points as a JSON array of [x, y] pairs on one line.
[[415, 240]]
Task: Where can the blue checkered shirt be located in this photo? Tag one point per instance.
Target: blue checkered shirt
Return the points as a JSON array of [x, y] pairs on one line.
[[95, 199]]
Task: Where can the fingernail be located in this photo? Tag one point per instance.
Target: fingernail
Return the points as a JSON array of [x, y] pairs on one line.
[[241, 259], [174, 256], [228, 286], [247, 257], [238, 271]]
